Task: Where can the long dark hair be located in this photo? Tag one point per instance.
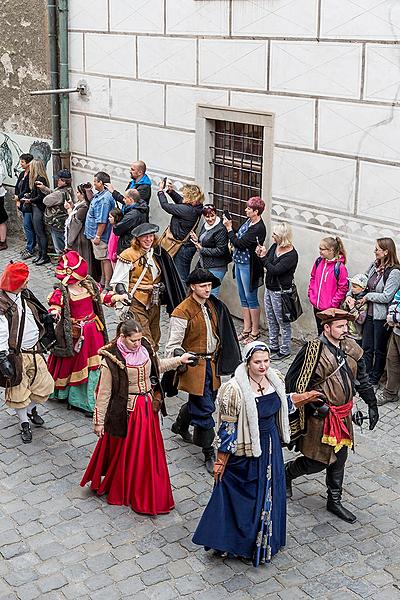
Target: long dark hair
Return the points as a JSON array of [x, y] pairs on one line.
[[128, 327], [391, 259]]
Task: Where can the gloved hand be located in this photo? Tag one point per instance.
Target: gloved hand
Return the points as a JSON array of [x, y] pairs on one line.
[[373, 415], [6, 367], [306, 397], [219, 465]]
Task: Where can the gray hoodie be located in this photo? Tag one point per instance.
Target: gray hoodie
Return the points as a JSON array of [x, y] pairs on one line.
[[384, 293]]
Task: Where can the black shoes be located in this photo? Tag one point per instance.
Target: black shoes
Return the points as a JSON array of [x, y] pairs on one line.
[[43, 261], [336, 508], [35, 418], [209, 464], [184, 433], [289, 489], [26, 433], [279, 356]]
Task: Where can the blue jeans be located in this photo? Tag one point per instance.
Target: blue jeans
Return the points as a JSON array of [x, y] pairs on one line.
[[58, 238], [248, 299], [29, 232], [220, 273], [183, 260]]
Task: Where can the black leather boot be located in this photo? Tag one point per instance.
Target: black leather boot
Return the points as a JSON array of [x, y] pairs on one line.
[[26, 433], [289, 489], [334, 483], [35, 418], [181, 425], [296, 468], [209, 459]]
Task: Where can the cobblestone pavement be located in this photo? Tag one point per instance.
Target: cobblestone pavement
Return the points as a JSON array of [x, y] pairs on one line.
[[59, 541]]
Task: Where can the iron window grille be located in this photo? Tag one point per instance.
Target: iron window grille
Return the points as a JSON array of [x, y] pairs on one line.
[[236, 166]]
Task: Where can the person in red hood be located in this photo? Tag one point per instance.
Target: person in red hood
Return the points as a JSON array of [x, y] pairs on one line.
[[329, 277]]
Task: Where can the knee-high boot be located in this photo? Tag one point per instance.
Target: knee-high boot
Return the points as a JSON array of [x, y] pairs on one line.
[[300, 466], [334, 483], [181, 425]]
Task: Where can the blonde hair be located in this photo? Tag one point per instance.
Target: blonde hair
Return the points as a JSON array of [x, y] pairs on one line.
[[192, 194], [284, 232], [135, 244], [336, 244], [37, 169]]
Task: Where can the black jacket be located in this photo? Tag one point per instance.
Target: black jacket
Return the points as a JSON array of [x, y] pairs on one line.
[[144, 190], [215, 252], [280, 269], [184, 216], [254, 235], [37, 195], [22, 185], [134, 216]]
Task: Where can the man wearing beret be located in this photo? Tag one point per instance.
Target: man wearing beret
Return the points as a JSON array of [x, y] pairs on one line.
[[332, 364], [55, 213], [144, 278], [23, 370], [202, 324]]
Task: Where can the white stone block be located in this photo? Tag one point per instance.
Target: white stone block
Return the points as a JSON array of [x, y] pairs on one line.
[[379, 192], [88, 14], [181, 103], [77, 132], [167, 151], [167, 59], [294, 117], [137, 101], [364, 19], [110, 54], [110, 139], [275, 18], [137, 16], [361, 129], [313, 179], [323, 69], [233, 63], [382, 73], [75, 51], [204, 18], [97, 100]]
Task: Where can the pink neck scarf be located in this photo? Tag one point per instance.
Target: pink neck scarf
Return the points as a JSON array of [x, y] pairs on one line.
[[133, 358]]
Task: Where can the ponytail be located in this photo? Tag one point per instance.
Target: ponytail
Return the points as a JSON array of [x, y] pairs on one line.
[[336, 244]]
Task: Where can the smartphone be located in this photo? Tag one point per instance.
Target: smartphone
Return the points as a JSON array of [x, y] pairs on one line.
[[227, 215]]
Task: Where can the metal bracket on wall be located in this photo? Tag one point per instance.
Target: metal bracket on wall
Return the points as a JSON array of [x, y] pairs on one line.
[[81, 89]]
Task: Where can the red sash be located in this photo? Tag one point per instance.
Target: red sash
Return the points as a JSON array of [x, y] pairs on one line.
[[335, 431]]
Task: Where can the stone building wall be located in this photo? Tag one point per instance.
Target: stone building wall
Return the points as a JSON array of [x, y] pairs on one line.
[[328, 70]]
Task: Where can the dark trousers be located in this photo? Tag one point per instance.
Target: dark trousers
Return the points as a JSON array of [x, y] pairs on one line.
[[201, 437], [375, 344], [38, 226], [318, 321], [183, 260], [334, 472]]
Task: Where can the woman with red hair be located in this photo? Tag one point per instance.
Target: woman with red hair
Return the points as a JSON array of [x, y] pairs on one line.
[[248, 269]]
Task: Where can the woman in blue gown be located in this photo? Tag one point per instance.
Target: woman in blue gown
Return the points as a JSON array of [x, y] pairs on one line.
[[246, 514]]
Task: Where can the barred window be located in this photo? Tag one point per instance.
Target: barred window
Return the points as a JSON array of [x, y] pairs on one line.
[[236, 166]]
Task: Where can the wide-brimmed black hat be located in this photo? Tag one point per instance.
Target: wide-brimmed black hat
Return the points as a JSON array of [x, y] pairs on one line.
[[144, 229], [200, 275]]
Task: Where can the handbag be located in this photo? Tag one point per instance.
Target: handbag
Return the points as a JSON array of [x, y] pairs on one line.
[[291, 305], [171, 244]]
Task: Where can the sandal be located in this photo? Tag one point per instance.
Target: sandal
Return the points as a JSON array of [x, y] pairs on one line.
[[252, 337], [244, 335]]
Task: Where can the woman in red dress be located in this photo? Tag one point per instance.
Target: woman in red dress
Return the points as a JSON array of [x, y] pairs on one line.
[[74, 362], [129, 463]]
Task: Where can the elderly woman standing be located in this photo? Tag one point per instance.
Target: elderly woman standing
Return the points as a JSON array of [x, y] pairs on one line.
[[246, 514], [212, 245], [383, 283], [280, 262], [185, 212], [248, 267]]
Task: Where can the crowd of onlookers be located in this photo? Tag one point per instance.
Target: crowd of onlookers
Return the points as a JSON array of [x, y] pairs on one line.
[[96, 220]]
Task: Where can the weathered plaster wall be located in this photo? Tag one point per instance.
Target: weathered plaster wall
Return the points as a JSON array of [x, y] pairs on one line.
[[23, 68]]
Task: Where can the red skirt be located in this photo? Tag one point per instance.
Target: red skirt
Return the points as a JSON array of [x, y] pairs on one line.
[[134, 468]]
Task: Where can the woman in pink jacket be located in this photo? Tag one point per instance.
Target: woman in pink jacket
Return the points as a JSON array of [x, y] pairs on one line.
[[329, 278]]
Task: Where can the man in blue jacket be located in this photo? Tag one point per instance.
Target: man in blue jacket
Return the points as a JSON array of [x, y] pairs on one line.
[[140, 181]]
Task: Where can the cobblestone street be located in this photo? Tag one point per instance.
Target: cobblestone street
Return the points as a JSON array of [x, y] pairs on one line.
[[59, 541]]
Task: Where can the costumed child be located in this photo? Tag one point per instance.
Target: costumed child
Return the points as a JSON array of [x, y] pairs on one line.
[[74, 362], [129, 463]]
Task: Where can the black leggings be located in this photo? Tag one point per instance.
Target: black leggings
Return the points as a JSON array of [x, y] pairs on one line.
[[375, 342], [39, 229]]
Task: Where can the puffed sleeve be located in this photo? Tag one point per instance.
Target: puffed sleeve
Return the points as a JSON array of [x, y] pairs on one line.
[[56, 301], [228, 411], [103, 394]]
